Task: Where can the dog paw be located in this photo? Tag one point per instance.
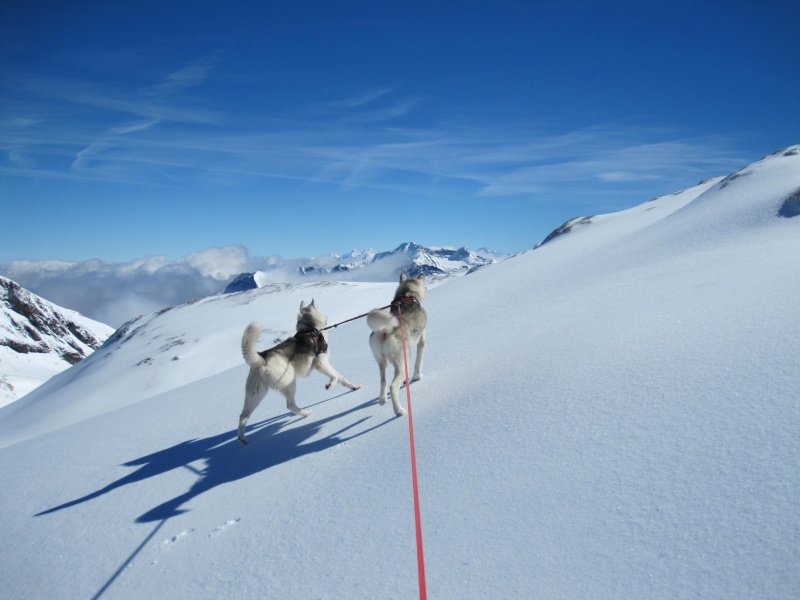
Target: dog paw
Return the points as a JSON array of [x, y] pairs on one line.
[[416, 377], [356, 386], [328, 385], [244, 440], [400, 412], [304, 413], [381, 401]]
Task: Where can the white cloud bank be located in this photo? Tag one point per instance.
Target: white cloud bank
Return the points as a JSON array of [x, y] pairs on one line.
[[114, 293]]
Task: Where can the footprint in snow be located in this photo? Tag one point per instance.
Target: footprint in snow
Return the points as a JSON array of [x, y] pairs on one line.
[[223, 527], [169, 541]]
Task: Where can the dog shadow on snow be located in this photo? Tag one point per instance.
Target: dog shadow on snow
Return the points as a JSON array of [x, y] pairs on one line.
[[226, 460]]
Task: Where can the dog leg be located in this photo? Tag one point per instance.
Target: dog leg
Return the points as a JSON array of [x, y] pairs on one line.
[[395, 388], [382, 369], [420, 355], [255, 390], [324, 366], [288, 393]]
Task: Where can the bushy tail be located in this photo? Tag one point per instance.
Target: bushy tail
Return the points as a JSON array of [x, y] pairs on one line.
[[249, 343], [380, 320]]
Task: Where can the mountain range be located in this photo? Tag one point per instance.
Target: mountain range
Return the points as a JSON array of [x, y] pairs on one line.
[[370, 265]]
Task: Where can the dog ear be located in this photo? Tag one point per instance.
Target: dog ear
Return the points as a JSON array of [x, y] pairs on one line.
[[403, 277], [312, 303], [302, 304]]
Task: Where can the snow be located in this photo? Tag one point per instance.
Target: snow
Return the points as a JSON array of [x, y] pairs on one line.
[[48, 332], [23, 373], [372, 266], [612, 415]]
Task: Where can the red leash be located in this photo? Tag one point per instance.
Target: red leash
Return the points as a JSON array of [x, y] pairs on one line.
[[423, 592]]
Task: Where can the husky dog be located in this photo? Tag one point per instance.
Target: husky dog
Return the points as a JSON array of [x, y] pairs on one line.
[[280, 366], [386, 339]]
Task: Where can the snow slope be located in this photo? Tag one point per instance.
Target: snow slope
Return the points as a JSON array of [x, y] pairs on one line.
[[612, 415]]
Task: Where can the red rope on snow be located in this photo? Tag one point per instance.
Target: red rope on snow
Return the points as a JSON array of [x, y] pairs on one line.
[[423, 593]]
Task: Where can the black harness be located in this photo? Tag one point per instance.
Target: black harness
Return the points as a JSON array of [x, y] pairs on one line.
[[315, 335]]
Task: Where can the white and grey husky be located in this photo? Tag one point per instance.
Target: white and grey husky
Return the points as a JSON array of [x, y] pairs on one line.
[[386, 339], [280, 366]]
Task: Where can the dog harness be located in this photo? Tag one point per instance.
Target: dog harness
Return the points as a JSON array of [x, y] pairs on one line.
[[320, 345], [405, 299]]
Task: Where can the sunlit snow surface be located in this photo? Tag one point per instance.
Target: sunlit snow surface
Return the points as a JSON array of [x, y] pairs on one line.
[[612, 415]]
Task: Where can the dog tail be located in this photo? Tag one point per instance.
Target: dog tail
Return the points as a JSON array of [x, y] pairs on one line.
[[249, 342], [379, 320]]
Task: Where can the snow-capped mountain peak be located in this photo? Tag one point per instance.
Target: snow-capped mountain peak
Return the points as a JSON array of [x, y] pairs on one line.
[[39, 339], [370, 265]]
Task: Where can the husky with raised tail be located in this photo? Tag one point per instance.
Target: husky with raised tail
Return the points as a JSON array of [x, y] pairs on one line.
[[280, 366], [386, 339]]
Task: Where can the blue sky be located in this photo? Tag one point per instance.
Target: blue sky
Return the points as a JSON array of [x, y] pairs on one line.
[[301, 128]]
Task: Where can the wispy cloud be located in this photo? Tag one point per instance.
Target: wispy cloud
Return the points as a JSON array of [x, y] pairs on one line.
[[374, 107], [190, 76], [154, 135], [362, 99], [87, 124], [134, 127], [615, 158]]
